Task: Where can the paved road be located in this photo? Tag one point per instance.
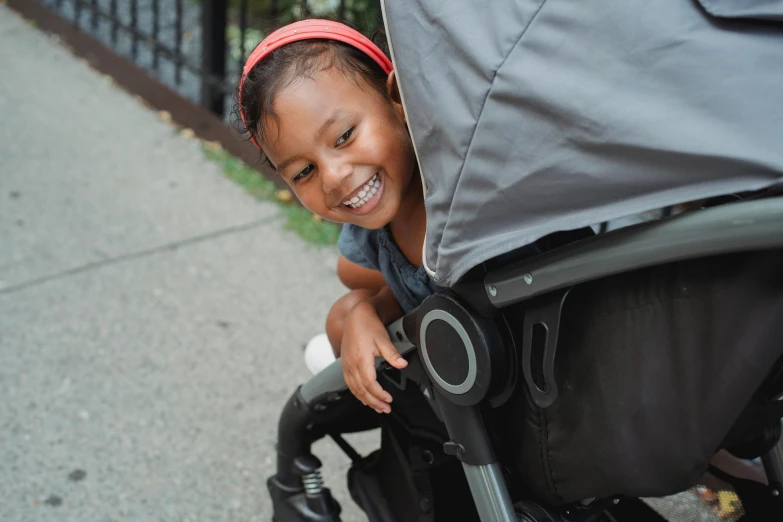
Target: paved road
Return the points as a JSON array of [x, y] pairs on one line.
[[151, 313]]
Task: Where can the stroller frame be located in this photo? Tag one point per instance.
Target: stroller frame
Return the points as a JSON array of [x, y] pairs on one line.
[[324, 406]]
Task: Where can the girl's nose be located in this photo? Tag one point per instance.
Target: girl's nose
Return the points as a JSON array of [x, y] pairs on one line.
[[335, 174]]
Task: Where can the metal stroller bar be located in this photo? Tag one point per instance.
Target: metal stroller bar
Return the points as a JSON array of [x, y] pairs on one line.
[[471, 445], [773, 467], [736, 227], [490, 493]]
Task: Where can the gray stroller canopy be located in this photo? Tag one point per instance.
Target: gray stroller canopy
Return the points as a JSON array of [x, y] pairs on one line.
[[536, 116]]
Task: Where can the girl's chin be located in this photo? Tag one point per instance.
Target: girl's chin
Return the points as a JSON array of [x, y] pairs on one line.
[[378, 219]]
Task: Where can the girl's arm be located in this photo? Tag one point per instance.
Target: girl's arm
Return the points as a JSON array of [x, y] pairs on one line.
[[386, 306]]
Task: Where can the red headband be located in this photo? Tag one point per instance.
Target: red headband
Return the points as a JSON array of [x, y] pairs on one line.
[[307, 30]]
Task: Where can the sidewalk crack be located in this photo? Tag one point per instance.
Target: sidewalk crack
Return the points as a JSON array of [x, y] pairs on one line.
[[174, 245]]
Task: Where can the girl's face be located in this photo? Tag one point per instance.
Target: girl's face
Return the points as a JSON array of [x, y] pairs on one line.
[[344, 150]]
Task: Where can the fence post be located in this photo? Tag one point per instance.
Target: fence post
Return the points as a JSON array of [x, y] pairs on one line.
[[214, 18]]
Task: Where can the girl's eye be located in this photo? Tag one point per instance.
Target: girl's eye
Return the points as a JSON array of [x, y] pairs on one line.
[[304, 173], [346, 135]]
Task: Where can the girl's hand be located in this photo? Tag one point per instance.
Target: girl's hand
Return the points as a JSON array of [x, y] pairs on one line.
[[364, 339]]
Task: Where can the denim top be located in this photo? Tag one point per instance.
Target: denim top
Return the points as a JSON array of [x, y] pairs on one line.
[[377, 250]]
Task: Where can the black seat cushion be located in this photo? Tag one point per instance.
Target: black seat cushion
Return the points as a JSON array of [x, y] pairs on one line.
[[654, 367]]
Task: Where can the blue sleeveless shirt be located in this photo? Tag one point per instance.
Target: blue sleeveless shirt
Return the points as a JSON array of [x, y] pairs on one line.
[[376, 249]]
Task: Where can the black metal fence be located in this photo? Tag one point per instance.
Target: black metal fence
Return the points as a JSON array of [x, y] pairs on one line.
[[198, 47]]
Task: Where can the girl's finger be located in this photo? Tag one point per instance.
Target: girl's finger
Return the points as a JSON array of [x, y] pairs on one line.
[[369, 378], [374, 403], [363, 394], [350, 381], [369, 382], [390, 353], [378, 392]]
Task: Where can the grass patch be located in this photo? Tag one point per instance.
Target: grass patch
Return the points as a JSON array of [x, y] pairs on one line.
[[310, 227], [298, 219]]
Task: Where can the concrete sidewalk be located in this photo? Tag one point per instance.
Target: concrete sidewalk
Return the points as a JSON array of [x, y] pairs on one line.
[[151, 313]]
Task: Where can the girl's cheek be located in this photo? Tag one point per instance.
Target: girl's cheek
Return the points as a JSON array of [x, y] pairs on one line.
[[304, 198], [313, 199]]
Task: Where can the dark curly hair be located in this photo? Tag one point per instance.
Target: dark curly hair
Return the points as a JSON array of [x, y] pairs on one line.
[[297, 60]]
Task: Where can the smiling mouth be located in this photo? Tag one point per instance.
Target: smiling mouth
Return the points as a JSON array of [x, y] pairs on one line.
[[364, 194]]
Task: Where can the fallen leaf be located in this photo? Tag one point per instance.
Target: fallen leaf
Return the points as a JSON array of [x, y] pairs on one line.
[[164, 116], [214, 145], [187, 133], [728, 504], [284, 196]]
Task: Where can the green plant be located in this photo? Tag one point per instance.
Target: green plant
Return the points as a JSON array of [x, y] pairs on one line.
[[266, 15], [298, 219]]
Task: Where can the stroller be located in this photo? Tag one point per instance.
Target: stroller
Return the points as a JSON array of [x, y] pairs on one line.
[[614, 365]]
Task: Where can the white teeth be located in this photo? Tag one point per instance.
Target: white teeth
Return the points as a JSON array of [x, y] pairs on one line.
[[365, 194]]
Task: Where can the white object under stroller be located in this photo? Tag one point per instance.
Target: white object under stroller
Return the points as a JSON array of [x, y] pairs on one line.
[[612, 366]]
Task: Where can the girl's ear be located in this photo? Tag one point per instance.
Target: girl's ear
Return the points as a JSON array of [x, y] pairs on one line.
[[393, 90]]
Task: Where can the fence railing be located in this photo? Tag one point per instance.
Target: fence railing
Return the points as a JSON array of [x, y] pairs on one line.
[[198, 47]]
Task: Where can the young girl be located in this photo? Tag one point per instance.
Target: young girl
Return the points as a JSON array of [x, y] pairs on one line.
[[321, 102]]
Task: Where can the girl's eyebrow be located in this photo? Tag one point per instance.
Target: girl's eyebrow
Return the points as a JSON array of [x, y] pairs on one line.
[[284, 164], [328, 123]]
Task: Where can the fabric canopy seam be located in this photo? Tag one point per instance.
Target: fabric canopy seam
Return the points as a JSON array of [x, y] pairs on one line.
[[484, 104]]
